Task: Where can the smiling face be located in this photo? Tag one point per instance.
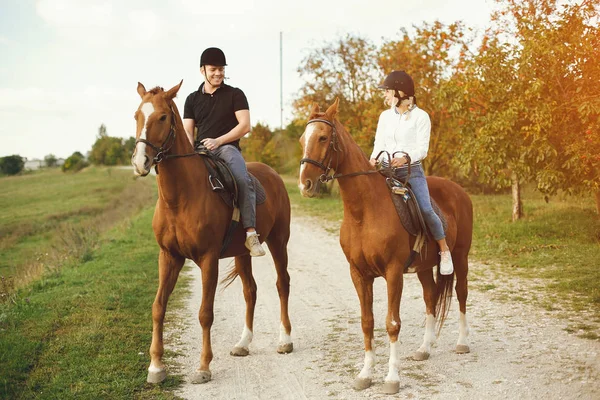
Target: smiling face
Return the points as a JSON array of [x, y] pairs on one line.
[[214, 75]]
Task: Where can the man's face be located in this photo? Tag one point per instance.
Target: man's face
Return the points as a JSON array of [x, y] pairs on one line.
[[213, 74]]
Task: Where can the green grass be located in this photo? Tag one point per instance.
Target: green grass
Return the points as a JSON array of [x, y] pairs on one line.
[[48, 210], [558, 241], [83, 332]]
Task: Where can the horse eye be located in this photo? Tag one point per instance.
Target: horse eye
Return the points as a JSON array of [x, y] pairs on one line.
[[164, 116], [323, 139]]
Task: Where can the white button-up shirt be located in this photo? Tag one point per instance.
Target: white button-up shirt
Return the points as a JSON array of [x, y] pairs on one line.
[[408, 132]]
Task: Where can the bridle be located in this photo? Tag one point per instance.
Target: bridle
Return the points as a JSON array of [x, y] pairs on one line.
[[335, 148], [161, 152]]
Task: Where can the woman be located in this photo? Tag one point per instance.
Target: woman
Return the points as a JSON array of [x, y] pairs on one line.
[[406, 128]]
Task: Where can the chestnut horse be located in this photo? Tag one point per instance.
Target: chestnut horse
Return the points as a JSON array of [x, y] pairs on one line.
[[377, 245], [190, 221]]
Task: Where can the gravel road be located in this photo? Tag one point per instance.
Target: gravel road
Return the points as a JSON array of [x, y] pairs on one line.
[[517, 351]]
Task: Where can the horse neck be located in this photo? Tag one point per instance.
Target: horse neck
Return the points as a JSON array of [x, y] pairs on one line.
[[361, 191], [179, 179]]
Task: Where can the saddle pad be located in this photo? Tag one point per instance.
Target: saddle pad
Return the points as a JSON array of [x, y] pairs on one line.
[[408, 216], [261, 196]]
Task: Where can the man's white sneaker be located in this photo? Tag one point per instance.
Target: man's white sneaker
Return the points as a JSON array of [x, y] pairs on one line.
[[446, 265], [253, 244]]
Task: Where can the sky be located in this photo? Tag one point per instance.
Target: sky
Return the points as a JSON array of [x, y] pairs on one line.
[[68, 66]]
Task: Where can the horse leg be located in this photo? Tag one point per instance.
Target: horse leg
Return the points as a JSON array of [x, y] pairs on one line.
[[364, 289], [395, 282], [461, 266], [429, 295], [278, 249], [210, 276], [169, 266], [243, 266]]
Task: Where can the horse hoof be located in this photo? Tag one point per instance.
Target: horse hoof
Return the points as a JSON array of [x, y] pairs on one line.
[[239, 352], [156, 377], [362, 383], [285, 348], [201, 377], [420, 356], [462, 349], [392, 387]]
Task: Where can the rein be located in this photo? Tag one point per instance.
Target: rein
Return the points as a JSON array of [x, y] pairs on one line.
[[333, 145]]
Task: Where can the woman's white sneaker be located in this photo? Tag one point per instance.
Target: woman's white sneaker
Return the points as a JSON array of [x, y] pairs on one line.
[[446, 265]]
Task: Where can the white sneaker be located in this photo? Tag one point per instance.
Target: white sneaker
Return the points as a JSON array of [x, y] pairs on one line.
[[446, 265], [253, 244]]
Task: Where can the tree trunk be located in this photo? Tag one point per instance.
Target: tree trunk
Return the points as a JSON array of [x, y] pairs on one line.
[[598, 201], [517, 208]]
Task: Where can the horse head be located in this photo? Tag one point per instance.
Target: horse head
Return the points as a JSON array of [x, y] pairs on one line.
[[155, 127], [321, 151]]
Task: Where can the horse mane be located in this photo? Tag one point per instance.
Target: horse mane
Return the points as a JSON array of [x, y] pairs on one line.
[[156, 90]]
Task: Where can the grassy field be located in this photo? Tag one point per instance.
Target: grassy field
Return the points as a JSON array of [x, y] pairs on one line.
[[555, 247], [48, 215], [81, 330], [81, 327]]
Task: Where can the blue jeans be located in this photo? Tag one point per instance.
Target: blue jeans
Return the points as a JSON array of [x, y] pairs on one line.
[[418, 184], [247, 195]]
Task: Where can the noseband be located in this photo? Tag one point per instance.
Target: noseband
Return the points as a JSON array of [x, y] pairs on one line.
[[333, 146]]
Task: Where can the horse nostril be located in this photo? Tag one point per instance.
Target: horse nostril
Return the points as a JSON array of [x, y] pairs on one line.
[[308, 184], [146, 162]]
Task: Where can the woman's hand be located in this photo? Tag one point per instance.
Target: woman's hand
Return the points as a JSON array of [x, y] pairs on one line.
[[373, 161], [398, 161]]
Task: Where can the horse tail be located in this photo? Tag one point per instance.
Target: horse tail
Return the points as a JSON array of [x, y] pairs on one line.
[[443, 298], [230, 277]]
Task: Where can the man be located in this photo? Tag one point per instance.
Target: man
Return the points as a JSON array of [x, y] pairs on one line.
[[222, 116]]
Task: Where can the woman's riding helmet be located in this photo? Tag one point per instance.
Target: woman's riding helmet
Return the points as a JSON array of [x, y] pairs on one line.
[[399, 80]]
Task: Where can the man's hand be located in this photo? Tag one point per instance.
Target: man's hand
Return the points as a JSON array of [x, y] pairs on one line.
[[398, 162], [373, 161], [211, 144]]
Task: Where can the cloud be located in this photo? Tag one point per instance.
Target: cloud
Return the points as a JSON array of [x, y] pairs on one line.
[[76, 13]]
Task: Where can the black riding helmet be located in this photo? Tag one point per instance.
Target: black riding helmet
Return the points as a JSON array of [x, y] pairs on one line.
[[399, 80], [213, 56]]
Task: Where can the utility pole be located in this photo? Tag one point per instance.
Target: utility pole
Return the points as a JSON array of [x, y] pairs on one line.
[[281, 80]]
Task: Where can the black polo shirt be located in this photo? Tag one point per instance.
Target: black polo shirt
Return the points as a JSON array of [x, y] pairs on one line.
[[214, 114]]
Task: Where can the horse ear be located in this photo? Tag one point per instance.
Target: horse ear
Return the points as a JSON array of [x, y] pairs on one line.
[[333, 109], [315, 109], [141, 90], [171, 93]]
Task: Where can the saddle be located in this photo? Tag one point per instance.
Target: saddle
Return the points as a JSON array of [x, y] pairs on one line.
[[408, 210], [222, 181]]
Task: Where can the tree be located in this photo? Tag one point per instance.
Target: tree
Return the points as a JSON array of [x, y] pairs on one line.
[[75, 163], [109, 150], [346, 69], [12, 165], [50, 160], [524, 118], [432, 56]]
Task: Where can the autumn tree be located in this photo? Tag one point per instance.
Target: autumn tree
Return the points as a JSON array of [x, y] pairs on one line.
[[432, 55], [523, 118], [346, 69]]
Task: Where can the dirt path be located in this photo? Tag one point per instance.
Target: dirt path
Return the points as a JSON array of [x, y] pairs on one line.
[[517, 351]]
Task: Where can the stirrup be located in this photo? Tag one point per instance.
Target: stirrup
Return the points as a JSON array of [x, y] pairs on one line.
[[215, 186]]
